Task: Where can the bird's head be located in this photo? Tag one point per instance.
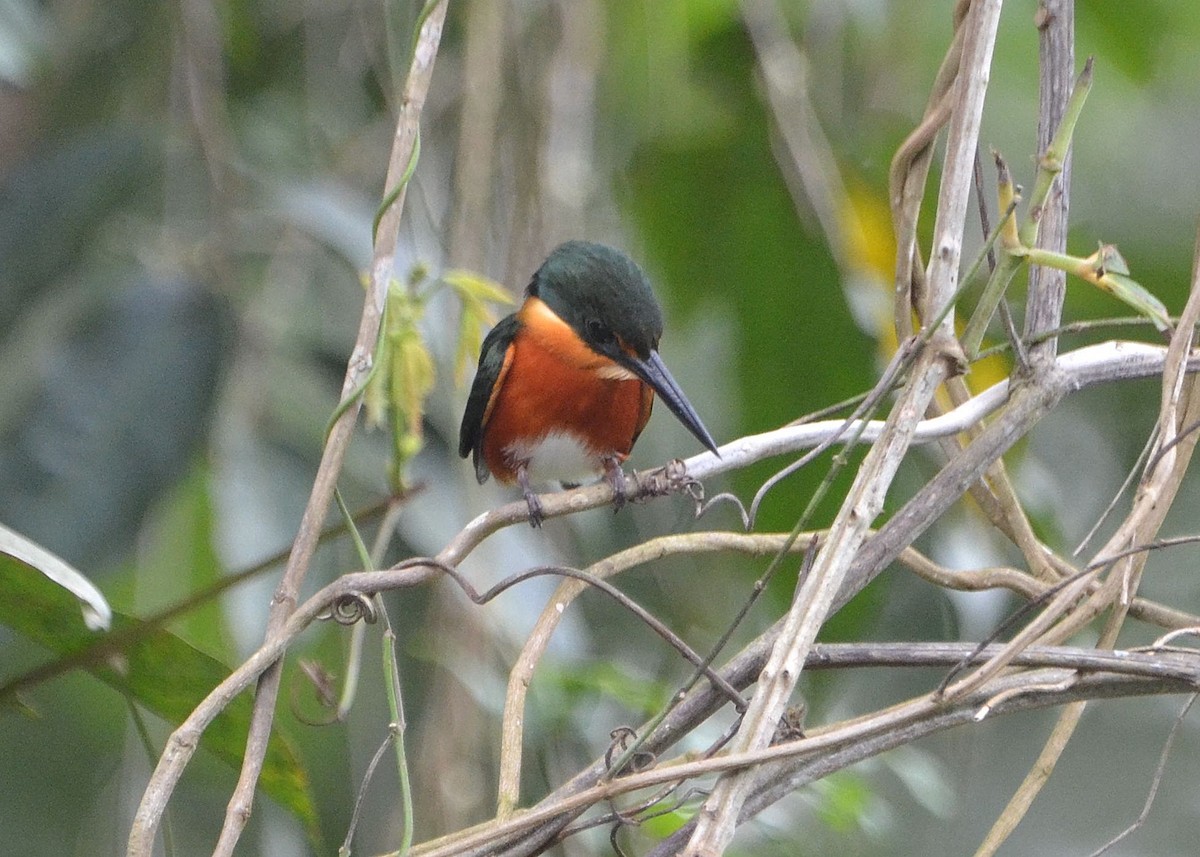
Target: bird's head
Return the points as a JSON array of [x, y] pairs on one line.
[[605, 298]]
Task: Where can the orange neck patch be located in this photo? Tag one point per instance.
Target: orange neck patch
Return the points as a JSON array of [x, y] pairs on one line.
[[553, 334]]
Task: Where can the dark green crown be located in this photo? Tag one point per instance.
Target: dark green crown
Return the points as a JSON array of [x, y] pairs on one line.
[[601, 293]]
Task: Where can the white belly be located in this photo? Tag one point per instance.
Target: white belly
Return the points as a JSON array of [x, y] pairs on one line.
[[559, 457]]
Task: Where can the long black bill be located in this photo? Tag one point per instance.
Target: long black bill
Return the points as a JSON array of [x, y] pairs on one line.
[[654, 372]]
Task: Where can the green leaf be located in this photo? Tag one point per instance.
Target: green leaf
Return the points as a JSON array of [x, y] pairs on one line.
[[845, 800], [97, 615], [158, 670], [603, 679], [472, 286], [662, 825], [470, 338], [475, 292], [1112, 260], [1136, 295], [178, 556]]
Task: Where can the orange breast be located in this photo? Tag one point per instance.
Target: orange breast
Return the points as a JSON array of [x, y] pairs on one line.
[[553, 394]]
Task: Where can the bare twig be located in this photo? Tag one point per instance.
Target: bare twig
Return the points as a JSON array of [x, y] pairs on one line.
[[1180, 406], [404, 149], [158, 791], [1150, 507], [521, 675], [1155, 782], [1084, 367], [781, 778], [853, 426], [908, 172], [815, 597], [1047, 288], [611, 591], [1025, 406], [831, 748], [1130, 479], [393, 732], [1166, 639]]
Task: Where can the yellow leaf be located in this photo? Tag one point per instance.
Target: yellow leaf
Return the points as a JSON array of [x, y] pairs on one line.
[[412, 379], [375, 396], [866, 223], [470, 339], [471, 286]]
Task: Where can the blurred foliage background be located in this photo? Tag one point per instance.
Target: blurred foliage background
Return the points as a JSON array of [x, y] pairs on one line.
[[186, 197]]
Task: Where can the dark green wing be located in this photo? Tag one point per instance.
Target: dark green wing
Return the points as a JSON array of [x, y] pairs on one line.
[[492, 358]]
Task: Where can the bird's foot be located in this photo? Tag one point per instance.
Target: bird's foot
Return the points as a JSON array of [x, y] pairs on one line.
[[615, 477], [791, 724], [535, 509], [536, 514], [672, 478]]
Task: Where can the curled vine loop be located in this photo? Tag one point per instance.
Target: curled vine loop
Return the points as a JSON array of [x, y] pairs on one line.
[[351, 608], [622, 737]]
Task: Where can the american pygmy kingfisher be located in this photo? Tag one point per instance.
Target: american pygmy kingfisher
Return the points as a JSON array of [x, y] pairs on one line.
[[566, 383]]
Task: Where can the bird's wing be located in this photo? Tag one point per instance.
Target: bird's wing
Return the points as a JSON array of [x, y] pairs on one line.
[[494, 359]]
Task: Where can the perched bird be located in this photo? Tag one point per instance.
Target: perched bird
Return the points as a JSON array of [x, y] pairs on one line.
[[566, 383]]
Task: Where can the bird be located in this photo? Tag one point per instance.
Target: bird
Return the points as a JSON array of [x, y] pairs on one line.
[[566, 383]]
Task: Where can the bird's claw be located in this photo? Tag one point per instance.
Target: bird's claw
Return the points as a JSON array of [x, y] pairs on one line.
[[536, 513], [615, 477], [671, 478]]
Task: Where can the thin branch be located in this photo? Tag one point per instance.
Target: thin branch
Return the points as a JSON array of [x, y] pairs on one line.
[[1056, 61], [1084, 367], [405, 147], [1138, 467], [1179, 408], [852, 427], [805, 570], [815, 596], [521, 675], [1026, 405], [621, 598], [813, 603], [393, 732], [1154, 498], [154, 800], [834, 747], [185, 740], [909, 170], [1155, 782]]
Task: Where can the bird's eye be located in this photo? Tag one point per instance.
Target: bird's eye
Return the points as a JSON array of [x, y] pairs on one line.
[[598, 332]]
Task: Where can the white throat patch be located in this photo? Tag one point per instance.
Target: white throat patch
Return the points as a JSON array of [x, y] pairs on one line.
[[616, 372]]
